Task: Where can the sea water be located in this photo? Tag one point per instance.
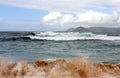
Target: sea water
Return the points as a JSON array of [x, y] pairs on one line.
[[32, 46]]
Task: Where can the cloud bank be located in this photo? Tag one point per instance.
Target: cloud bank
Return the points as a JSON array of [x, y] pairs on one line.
[[86, 19], [63, 5]]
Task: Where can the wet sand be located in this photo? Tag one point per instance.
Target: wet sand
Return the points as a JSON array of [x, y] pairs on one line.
[[79, 68]]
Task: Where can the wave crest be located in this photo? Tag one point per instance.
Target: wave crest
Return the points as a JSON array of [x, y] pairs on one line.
[[60, 36], [67, 36]]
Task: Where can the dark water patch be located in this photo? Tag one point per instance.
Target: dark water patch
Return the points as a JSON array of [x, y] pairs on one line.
[[16, 33], [112, 45], [14, 38], [2, 52], [25, 38]]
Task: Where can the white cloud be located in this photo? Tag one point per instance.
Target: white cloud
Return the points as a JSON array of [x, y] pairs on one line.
[[52, 18], [111, 2], [88, 18], [92, 18], [108, 4], [50, 5], [57, 19], [63, 5]]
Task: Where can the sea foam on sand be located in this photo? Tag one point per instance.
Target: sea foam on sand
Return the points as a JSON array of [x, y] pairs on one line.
[[80, 68]]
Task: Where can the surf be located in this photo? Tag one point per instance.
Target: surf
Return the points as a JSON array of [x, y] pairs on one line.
[[60, 68], [69, 36], [56, 36]]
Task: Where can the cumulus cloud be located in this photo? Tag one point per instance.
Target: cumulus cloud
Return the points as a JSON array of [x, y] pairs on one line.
[[52, 18], [57, 19], [88, 18]]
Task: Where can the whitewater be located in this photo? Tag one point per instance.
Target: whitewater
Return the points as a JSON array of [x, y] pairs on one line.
[[80, 68], [66, 36]]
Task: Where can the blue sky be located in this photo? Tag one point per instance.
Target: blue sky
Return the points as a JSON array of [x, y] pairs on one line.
[[44, 15], [8, 12]]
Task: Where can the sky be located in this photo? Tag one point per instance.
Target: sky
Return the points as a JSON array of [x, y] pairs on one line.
[[55, 15]]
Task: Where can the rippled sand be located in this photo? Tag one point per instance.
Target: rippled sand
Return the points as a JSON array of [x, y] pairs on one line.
[[81, 68]]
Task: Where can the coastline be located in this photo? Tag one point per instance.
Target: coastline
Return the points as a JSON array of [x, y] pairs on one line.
[[79, 68]]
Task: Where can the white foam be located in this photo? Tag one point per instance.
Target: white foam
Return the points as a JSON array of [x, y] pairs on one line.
[[71, 36]]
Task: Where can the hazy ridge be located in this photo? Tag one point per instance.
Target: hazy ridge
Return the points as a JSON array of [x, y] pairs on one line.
[[97, 30]]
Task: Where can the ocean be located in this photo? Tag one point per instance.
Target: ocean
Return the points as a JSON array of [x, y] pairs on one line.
[[59, 55], [32, 46]]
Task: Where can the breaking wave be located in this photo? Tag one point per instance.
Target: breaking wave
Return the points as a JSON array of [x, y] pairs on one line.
[[61, 36], [66, 36], [81, 68]]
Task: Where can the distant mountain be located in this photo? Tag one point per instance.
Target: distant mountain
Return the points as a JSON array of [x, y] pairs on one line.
[[97, 30], [79, 29]]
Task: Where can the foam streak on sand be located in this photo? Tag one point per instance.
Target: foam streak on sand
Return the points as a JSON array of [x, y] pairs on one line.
[[59, 69]]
